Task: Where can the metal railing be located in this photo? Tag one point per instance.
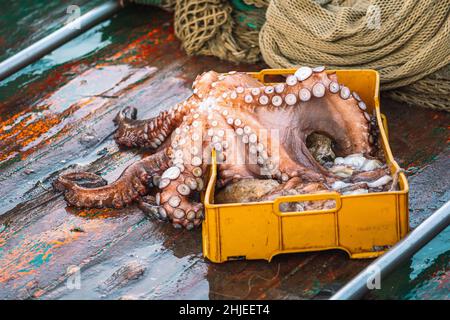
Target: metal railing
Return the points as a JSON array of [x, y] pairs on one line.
[[402, 251], [58, 38]]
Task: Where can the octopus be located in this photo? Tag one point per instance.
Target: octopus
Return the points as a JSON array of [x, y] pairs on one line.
[[256, 131]]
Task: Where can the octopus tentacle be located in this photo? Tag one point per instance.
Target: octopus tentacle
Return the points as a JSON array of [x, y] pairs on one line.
[[185, 177], [148, 205], [150, 133], [176, 202], [84, 179], [130, 186]]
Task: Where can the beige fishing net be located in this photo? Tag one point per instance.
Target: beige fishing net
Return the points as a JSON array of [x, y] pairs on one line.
[[407, 41], [208, 27]]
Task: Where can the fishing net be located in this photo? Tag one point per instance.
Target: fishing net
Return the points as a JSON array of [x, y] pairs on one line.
[[212, 27], [407, 41]]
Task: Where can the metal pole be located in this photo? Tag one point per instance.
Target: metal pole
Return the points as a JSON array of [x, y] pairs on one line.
[[402, 251], [57, 38]]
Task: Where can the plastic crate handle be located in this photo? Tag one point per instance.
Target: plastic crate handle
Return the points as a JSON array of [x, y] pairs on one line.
[[307, 197], [261, 75]]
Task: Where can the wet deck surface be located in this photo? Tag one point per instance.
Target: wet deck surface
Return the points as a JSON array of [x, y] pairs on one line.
[[61, 116]]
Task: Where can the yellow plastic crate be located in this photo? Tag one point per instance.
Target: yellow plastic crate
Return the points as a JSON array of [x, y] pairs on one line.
[[363, 225]]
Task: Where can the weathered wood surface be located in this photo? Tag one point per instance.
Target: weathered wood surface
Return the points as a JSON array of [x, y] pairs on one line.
[[64, 119]]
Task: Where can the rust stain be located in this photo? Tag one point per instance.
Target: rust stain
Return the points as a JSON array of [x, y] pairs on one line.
[[25, 132], [143, 48]]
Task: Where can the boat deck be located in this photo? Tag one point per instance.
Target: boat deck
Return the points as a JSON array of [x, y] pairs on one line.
[[58, 113]]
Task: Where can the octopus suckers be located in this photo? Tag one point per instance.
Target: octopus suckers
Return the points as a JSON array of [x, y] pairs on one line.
[[303, 73], [263, 100], [318, 69], [196, 161], [291, 80], [164, 183], [356, 96], [318, 90], [334, 87], [195, 136], [191, 183], [255, 91], [269, 90], [183, 189], [172, 173], [178, 213], [217, 146], [345, 93], [277, 101], [190, 215], [174, 201], [199, 184], [304, 94], [162, 213], [194, 150], [290, 99], [279, 88]]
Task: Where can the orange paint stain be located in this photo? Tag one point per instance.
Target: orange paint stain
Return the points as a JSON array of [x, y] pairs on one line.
[[21, 260]]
